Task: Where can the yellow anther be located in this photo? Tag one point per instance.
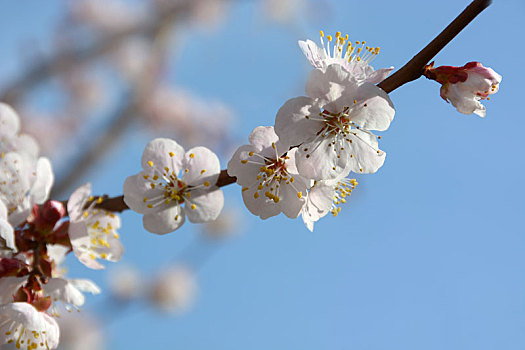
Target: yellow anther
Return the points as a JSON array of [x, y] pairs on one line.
[[206, 183], [167, 169], [245, 189], [171, 154], [322, 33], [256, 195], [90, 198], [203, 171], [329, 37], [251, 153], [152, 185], [86, 214], [244, 161], [188, 194], [186, 170], [273, 145], [155, 178], [176, 217], [338, 34], [149, 206], [300, 194], [193, 206], [150, 163], [103, 255], [145, 177]]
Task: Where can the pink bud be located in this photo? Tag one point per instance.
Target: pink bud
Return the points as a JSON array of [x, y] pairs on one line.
[[465, 86]]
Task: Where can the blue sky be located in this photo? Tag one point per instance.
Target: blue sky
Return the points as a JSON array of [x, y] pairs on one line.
[[427, 254]]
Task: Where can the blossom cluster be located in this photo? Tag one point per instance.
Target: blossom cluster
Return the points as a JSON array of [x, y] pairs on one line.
[[300, 166], [35, 236]]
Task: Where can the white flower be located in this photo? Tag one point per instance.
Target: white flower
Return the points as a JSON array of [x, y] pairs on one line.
[[24, 326], [266, 171], [354, 58], [159, 193], [69, 291], [465, 86], [92, 231], [7, 235], [173, 290], [125, 283], [22, 185], [324, 197], [331, 124]]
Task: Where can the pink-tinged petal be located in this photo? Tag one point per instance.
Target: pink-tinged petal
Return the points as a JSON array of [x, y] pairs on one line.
[[314, 54], [365, 156], [258, 204], [298, 120], [160, 153], [318, 160], [165, 221], [244, 166], [204, 205], [59, 289], [374, 109], [203, 167], [3, 210], [9, 121]]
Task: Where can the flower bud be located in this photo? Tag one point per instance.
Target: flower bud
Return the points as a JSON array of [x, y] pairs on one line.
[[47, 215], [465, 86]]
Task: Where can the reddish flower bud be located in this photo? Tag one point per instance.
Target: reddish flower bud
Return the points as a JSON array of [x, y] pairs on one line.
[[465, 86], [47, 215]]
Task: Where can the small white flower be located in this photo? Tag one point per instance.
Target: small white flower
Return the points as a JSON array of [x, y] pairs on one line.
[[466, 86], [22, 185], [174, 290], [324, 197], [266, 171], [92, 231], [331, 124], [69, 291], [25, 327], [354, 58], [159, 193]]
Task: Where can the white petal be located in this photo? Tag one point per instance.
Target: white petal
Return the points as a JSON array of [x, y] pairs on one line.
[[379, 75], [374, 109], [8, 287], [159, 152], [260, 206], [313, 53], [165, 221], [7, 234], [290, 202], [328, 84], [247, 172], [3, 210], [80, 240], [86, 286], [365, 157], [262, 137], [77, 201], [297, 120], [136, 189], [44, 181], [60, 289], [9, 121], [208, 205], [203, 165], [318, 161]]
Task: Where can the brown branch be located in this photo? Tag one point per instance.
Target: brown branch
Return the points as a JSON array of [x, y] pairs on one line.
[[412, 70]]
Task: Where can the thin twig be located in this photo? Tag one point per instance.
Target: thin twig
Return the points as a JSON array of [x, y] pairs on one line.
[[412, 70]]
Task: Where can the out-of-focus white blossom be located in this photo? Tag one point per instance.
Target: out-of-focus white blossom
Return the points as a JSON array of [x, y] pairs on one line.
[[11, 140], [226, 225], [159, 193], [92, 231], [80, 331], [330, 125], [107, 15], [267, 173], [193, 120], [466, 86], [132, 57], [125, 283], [174, 290], [355, 57], [25, 327]]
